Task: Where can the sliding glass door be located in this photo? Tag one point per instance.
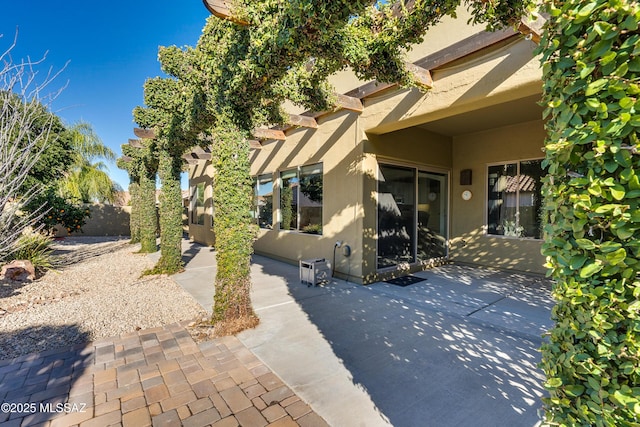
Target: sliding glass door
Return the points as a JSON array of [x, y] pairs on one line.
[[408, 231]]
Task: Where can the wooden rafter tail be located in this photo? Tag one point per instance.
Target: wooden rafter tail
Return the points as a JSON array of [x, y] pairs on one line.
[[223, 9], [349, 103], [136, 143], [421, 75], [532, 28], [261, 133], [254, 144], [201, 153], [144, 133], [396, 8], [303, 121]]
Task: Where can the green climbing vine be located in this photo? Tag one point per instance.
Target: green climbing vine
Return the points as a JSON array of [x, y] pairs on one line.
[[148, 213], [233, 226], [170, 215], [134, 218], [591, 74], [238, 77], [165, 113]]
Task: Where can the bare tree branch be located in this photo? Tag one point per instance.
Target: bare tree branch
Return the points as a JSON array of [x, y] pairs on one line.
[[25, 129]]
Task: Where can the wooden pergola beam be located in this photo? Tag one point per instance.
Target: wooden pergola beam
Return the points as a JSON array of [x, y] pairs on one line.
[[223, 9], [532, 28], [255, 144], [350, 103], [303, 121], [421, 75], [136, 143], [261, 133], [201, 153], [144, 133], [126, 159]]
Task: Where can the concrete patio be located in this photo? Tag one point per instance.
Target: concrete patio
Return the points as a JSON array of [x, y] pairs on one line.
[[460, 348]]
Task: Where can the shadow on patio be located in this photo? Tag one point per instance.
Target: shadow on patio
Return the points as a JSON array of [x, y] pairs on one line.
[[459, 348]]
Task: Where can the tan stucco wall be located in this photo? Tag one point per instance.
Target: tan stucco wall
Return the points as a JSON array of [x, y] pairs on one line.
[[447, 32], [351, 146], [105, 220], [201, 172], [335, 144], [504, 73], [469, 243]]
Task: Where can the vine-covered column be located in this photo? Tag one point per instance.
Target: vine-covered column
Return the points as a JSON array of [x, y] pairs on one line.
[[169, 167], [591, 86], [134, 216], [234, 230], [148, 213]]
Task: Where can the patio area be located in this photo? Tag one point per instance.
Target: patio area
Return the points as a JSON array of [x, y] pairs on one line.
[[459, 348]]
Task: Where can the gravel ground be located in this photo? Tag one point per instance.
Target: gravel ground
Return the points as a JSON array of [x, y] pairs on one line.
[[95, 291]]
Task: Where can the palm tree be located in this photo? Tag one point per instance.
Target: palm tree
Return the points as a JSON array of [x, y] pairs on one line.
[[87, 179]]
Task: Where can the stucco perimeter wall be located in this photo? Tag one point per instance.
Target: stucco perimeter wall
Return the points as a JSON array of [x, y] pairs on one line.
[[469, 242], [335, 144], [105, 220], [201, 172]]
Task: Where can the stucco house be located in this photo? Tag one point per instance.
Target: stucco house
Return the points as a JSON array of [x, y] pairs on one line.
[[406, 179]]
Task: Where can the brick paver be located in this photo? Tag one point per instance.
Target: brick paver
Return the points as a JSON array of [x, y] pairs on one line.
[[153, 377]]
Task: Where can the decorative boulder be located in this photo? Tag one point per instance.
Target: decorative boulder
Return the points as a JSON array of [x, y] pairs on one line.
[[18, 271]]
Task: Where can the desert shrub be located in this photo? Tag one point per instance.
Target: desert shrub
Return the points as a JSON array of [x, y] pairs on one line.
[[36, 248], [59, 211]]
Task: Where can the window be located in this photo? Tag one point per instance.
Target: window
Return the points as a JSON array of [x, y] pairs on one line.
[[197, 214], [263, 201], [514, 199], [301, 199]]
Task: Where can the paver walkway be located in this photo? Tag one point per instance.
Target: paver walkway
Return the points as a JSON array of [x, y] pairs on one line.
[[158, 377]]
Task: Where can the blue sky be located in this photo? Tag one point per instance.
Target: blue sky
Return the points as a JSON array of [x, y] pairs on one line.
[[111, 48]]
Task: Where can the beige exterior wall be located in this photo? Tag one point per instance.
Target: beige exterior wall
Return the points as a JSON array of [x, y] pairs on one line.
[[201, 173], [447, 32], [335, 145], [469, 241], [503, 73], [395, 128]]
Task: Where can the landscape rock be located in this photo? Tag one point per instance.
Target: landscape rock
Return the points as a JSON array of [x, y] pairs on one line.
[[18, 271]]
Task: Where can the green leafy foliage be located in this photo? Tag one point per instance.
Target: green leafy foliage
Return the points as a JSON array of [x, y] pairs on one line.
[[59, 211], [591, 86], [170, 216], [233, 226], [87, 179], [36, 248], [238, 77], [57, 157], [142, 166]]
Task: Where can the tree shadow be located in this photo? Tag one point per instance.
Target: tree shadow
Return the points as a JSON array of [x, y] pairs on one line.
[[432, 353], [9, 288], [45, 379], [73, 250]]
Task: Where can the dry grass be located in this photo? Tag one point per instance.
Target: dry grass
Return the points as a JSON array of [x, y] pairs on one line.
[[203, 330]]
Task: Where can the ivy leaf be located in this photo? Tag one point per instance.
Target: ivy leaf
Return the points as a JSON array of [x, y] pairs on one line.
[[618, 192], [574, 390], [586, 244], [591, 269], [595, 87]]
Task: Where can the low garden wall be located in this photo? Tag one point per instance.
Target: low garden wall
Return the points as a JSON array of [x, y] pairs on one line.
[[106, 220]]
